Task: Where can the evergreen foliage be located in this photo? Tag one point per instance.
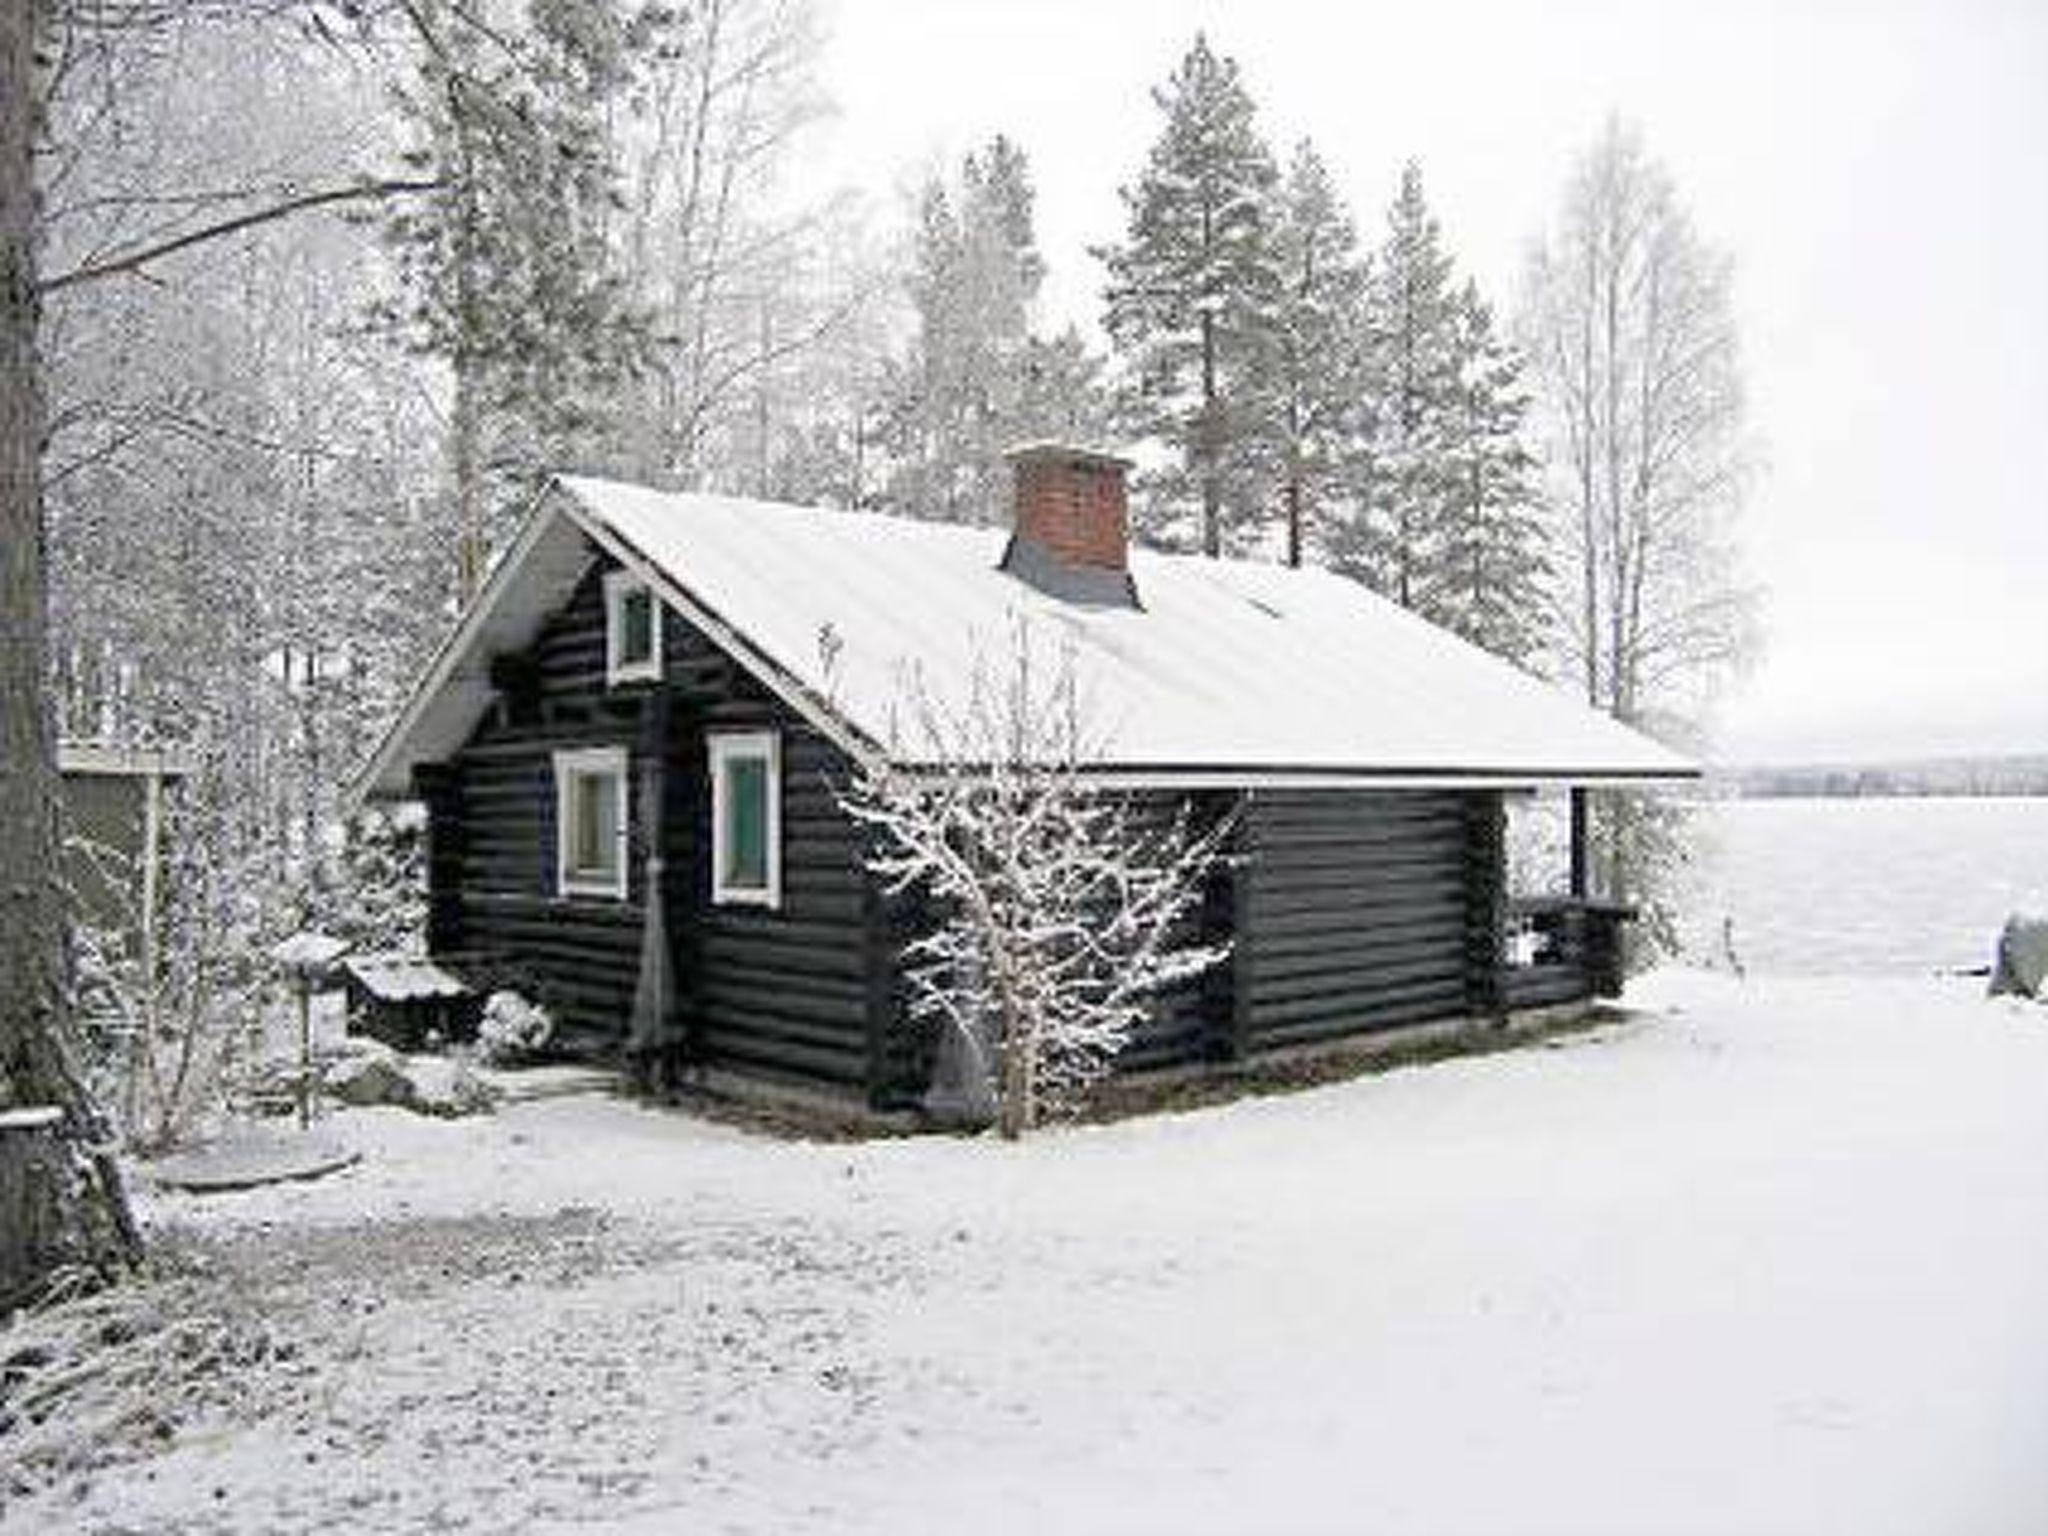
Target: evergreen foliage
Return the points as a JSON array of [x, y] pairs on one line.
[[1403, 549], [1322, 357], [957, 400], [507, 270], [1428, 494], [1191, 303], [1495, 577]]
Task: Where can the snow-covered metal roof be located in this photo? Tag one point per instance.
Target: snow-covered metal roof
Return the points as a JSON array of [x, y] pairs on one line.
[[1229, 673]]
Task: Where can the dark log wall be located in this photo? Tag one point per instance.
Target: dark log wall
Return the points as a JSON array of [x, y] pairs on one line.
[[782, 993], [492, 832], [1349, 912], [1355, 913], [785, 993]]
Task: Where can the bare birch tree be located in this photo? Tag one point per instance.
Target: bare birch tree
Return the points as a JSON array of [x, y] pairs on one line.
[[1059, 910], [722, 259], [1630, 331]]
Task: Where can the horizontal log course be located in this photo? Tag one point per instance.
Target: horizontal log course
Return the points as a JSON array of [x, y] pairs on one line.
[[749, 1044], [743, 954], [1332, 924], [1347, 936], [1357, 967]]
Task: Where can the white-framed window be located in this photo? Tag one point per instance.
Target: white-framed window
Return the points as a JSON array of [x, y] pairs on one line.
[[591, 822], [632, 629], [746, 817]]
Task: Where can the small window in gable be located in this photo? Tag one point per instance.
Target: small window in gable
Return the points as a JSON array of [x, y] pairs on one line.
[[632, 629], [746, 818], [590, 822]]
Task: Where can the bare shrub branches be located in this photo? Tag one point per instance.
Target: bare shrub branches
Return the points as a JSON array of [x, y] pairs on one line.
[[1060, 910]]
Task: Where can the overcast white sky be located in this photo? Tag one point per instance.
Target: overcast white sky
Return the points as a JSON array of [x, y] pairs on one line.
[[1879, 170]]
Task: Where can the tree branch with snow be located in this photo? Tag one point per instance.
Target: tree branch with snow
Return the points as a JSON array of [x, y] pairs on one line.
[[1060, 910]]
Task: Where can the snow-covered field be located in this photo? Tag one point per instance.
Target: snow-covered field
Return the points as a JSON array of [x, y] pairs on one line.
[[1894, 887], [1763, 1257]]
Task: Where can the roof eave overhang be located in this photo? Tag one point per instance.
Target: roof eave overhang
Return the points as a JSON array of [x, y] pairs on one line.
[[1116, 776], [381, 777], [373, 781]]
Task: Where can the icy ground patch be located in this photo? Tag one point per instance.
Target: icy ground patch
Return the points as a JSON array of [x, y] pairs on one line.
[[1771, 1257]]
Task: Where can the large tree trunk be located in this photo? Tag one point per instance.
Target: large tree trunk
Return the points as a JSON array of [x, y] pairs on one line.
[[76, 1213]]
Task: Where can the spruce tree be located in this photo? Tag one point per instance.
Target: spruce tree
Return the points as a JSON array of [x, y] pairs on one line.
[[1191, 298], [958, 400], [1320, 357], [1402, 551], [1494, 572]]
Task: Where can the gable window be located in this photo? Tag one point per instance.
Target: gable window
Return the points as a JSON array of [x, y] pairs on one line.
[[632, 629], [746, 818], [590, 822]]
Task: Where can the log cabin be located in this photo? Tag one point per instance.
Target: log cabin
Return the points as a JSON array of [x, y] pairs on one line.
[[631, 749]]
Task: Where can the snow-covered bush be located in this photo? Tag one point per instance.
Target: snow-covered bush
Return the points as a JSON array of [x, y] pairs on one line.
[[512, 1028], [380, 903], [1059, 909]]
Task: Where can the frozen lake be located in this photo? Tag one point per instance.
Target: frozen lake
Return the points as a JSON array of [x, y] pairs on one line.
[[1874, 886]]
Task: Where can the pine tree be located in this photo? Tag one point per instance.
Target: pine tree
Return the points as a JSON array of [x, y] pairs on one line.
[[1191, 299], [1401, 552], [73, 1210], [1493, 575], [1320, 355]]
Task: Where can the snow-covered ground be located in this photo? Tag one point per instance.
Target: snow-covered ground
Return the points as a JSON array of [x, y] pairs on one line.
[[1763, 1257]]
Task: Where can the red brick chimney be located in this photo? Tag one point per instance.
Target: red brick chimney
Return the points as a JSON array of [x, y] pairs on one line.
[[1071, 535]]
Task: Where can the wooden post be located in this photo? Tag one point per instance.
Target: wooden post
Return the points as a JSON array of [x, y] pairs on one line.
[[1485, 903], [305, 990], [152, 838], [1580, 875], [1242, 981], [145, 1040], [878, 957]]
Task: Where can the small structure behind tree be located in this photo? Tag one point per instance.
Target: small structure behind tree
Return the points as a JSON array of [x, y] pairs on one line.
[[116, 846]]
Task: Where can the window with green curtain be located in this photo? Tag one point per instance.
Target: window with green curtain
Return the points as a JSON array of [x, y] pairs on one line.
[[746, 822]]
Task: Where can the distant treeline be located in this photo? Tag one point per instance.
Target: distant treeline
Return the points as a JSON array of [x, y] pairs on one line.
[[2020, 774]]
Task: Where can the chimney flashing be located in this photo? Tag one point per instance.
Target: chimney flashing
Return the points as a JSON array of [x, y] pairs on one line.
[[1089, 586]]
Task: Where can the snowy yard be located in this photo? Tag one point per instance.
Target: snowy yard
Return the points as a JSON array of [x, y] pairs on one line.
[[1765, 1257]]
